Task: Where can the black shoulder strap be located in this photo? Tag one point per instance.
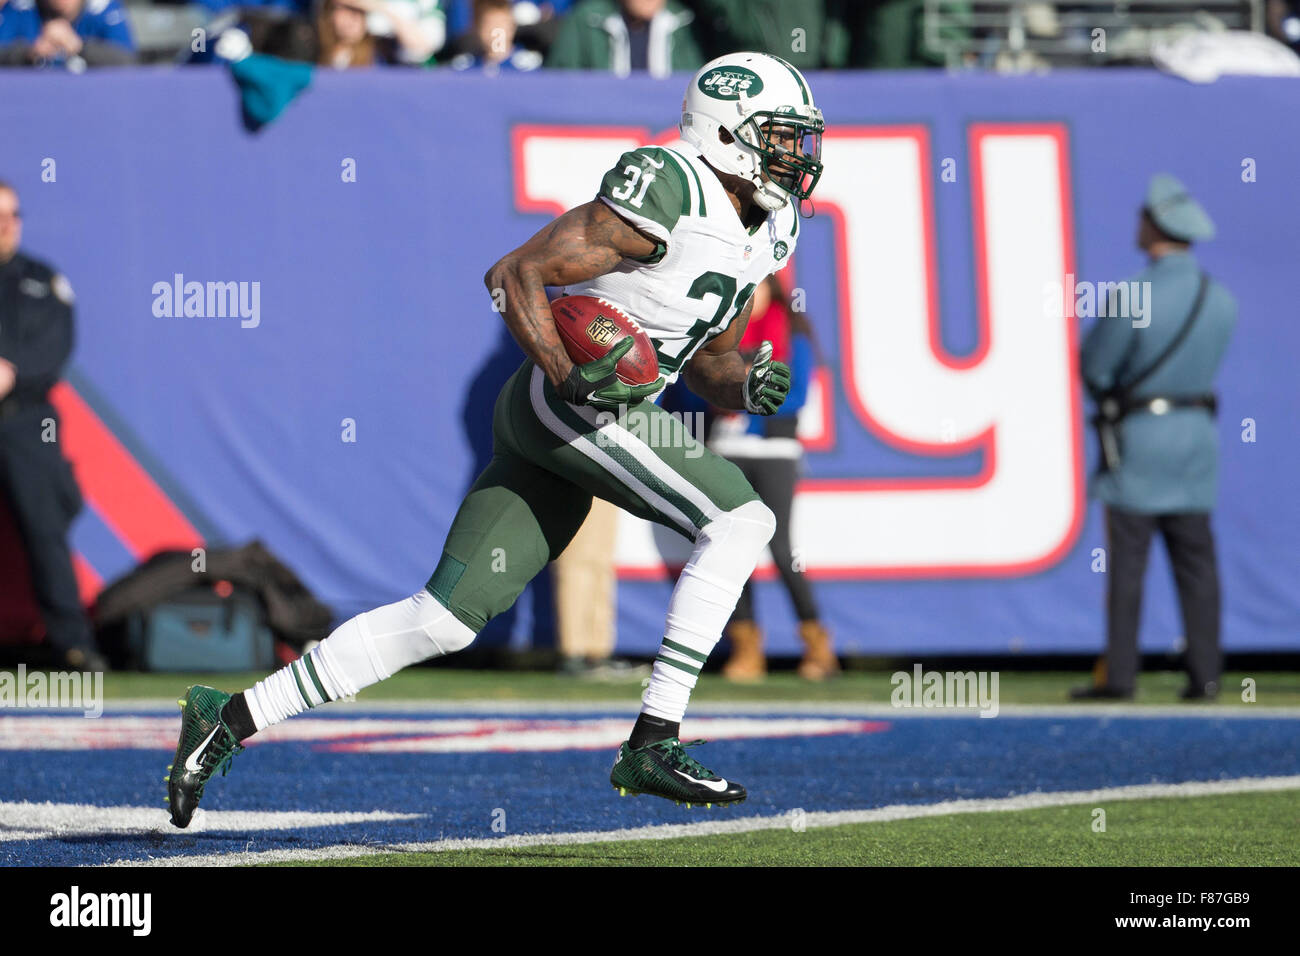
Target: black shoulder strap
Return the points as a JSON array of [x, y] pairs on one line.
[[1128, 387]]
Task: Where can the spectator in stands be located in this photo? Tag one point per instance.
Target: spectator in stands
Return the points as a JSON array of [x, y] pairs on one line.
[[73, 34], [889, 34], [493, 46], [347, 37], [273, 27], [1153, 381], [274, 31], [627, 36], [535, 23], [36, 319], [810, 34], [417, 29], [344, 40], [1283, 22]]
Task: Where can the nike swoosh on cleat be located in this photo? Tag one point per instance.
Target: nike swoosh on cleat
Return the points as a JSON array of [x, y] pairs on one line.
[[717, 786], [190, 763]]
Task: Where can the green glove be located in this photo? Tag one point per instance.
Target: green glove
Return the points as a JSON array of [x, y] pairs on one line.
[[595, 383], [767, 384]]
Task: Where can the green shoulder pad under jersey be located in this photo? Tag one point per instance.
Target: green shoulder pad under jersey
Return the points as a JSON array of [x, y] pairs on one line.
[[648, 187]]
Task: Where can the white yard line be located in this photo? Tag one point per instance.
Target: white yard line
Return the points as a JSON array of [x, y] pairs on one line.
[[631, 704], [25, 820], [1029, 801]]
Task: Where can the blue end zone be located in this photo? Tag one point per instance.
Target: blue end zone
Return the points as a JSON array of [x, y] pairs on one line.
[[908, 760]]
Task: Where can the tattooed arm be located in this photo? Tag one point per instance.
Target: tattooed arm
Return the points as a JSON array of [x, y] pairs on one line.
[[587, 241], [717, 372]]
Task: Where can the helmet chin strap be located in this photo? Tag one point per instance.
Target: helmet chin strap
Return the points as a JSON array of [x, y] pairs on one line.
[[770, 196]]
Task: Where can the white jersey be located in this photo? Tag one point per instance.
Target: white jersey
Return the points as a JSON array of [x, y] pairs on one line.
[[707, 263]]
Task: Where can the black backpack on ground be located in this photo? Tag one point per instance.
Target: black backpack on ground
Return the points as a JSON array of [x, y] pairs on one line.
[[165, 615]]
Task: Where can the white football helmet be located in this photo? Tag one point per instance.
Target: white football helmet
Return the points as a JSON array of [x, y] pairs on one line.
[[752, 115]]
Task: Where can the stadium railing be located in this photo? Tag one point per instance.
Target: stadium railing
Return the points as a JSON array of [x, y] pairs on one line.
[[1017, 34]]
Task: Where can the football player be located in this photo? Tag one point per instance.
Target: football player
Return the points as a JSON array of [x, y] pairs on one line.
[[677, 237]]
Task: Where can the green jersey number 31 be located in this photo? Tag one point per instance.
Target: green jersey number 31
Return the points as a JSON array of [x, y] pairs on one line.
[[724, 287]]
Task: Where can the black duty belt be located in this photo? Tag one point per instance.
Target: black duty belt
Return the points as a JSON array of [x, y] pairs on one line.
[[1114, 410]]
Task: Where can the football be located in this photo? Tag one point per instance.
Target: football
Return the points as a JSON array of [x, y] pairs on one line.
[[590, 327]]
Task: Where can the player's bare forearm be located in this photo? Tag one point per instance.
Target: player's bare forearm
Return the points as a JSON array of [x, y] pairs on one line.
[[527, 314], [587, 241], [718, 378]]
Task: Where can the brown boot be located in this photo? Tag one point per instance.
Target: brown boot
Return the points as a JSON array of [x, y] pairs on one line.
[[819, 661], [746, 662]]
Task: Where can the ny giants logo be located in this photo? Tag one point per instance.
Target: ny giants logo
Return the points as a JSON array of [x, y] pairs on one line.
[[1013, 399]]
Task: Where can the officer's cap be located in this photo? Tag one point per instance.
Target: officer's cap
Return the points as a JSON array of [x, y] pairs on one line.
[[1174, 211]]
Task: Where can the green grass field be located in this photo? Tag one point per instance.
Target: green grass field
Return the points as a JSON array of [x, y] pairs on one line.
[[866, 687], [1257, 829]]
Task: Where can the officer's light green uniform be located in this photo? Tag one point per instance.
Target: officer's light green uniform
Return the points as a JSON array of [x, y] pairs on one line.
[[1167, 477], [1169, 462]]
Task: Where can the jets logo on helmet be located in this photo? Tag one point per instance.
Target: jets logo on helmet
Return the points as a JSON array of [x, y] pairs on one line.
[[727, 82], [752, 115]]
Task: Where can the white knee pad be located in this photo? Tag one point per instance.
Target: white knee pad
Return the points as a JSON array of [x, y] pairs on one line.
[[414, 623], [758, 520], [732, 543]]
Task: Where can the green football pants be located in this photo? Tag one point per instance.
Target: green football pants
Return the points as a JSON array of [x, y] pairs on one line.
[[549, 459]]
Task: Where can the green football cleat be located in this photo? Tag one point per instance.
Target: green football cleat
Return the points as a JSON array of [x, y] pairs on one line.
[[664, 769], [205, 745]]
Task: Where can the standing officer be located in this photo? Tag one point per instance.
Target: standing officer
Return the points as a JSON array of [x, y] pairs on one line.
[[35, 479], [1153, 385]]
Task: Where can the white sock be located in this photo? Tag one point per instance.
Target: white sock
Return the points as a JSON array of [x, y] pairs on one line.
[[725, 554], [361, 651]]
